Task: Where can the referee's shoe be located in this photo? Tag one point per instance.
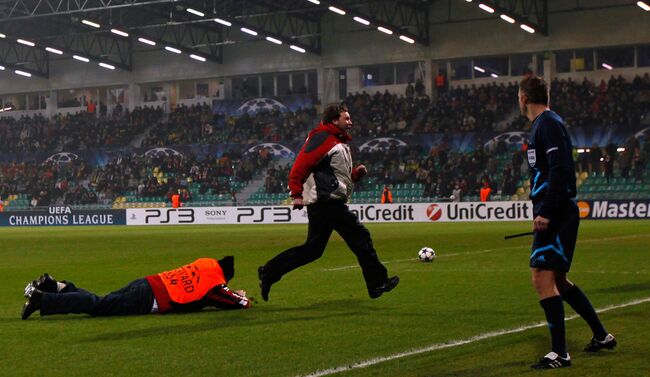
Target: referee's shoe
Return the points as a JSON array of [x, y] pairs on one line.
[[265, 283], [596, 345], [552, 361]]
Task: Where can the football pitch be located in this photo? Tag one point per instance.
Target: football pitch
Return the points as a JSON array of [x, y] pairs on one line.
[[471, 312]]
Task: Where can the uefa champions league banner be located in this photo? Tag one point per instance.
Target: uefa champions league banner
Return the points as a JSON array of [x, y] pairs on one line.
[[62, 216], [367, 213]]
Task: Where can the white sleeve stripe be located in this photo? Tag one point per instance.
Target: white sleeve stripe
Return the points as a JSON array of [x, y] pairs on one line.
[[551, 150]]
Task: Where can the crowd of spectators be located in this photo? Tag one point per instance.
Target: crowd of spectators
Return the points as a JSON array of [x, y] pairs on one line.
[[277, 179], [628, 161], [198, 124], [47, 183], [614, 102], [384, 114], [76, 182], [471, 108], [74, 132], [485, 107], [439, 170], [442, 172], [493, 107], [460, 109]]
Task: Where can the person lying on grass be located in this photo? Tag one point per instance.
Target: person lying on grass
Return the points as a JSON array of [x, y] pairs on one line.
[[185, 289]]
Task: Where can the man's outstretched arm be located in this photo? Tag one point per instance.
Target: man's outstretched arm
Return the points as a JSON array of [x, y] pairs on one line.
[[224, 298]]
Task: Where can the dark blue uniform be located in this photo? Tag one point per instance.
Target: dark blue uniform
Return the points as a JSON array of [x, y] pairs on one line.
[[552, 189]]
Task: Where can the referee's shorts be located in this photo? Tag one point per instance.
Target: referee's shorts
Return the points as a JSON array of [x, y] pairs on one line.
[[553, 248]]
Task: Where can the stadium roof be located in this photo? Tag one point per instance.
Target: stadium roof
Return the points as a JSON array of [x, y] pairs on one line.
[[107, 32]]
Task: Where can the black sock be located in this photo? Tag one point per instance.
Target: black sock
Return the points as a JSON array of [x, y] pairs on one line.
[[580, 303], [554, 310]]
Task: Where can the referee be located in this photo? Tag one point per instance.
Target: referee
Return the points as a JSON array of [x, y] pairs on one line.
[[556, 219]]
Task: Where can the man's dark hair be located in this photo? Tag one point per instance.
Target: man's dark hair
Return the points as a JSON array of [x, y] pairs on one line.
[[227, 265], [333, 112], [536, 89]]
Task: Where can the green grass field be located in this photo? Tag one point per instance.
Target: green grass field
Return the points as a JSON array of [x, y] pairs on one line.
[[319, 317]]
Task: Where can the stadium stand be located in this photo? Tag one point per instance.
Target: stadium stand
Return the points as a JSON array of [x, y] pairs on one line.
[[415, 174]]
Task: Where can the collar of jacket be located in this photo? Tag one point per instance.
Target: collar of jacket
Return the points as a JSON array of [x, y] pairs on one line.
[[333, 130]]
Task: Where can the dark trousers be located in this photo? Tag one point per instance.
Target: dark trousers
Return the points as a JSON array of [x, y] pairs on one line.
[[135, 298], [323, 219]]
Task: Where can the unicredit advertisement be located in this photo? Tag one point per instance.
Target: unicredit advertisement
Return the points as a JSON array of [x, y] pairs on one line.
[[367, 213]]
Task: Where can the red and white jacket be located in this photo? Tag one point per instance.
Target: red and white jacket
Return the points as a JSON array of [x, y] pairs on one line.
[[323, 168]]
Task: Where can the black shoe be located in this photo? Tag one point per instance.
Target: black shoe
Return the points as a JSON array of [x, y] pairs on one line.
[[265, 285], [387, 286], [33, 303], [29, 288], [596, 345], [46, 283], [552, 361]]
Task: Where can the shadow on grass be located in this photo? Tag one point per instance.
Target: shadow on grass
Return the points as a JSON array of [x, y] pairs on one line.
[[633, 287], [205, 320]]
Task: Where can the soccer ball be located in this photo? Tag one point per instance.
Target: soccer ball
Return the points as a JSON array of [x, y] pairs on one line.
[[426, 254]]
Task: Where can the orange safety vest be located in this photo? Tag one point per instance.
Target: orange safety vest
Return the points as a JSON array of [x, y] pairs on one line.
[[485, 193], [176, 201], [440, 81], [186, 284], [386, 196]]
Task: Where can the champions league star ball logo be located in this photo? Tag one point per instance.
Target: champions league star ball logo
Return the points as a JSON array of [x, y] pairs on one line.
[[381, 144], [275, 149], [62, 157], [510, 138], [434, 212], [162, 152], [644, 134], [261, 104]]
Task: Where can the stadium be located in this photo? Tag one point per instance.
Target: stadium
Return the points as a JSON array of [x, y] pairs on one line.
[[139, 135]]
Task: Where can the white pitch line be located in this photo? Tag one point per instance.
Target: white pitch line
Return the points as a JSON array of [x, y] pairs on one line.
[[484, 251], [357, 266], [456, 343], [413, 259], [612, 272], [493, 270]]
